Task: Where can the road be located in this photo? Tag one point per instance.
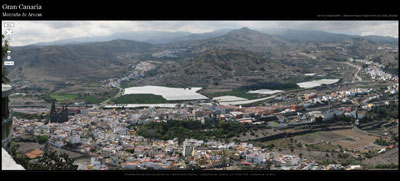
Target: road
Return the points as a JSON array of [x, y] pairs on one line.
[[356, 74], [95, 107], [117, 95]]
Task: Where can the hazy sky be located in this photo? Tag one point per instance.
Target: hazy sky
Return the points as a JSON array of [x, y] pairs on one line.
[[29, 32]]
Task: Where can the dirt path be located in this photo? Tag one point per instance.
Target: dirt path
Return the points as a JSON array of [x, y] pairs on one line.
[[357, 67]]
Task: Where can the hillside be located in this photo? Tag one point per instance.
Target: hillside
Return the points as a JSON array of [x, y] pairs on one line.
[[246, 39], [82, 61], [223, 59], [322, 36]]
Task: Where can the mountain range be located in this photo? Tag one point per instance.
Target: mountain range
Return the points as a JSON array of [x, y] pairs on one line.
[[314, 35], [181, 58], [154, 37], [162, 37]]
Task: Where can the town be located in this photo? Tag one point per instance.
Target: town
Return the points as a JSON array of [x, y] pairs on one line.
[[105, 137], [236, 96]]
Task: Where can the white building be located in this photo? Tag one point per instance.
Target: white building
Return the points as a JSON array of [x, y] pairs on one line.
[[256, 158], [75, 139]]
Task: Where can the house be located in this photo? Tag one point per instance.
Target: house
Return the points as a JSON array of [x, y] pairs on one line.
[[187, 151], [95, 164], [355, 167], [310, 96], [107, 151], [75, 139], [296, 107], [246, 120], [382, 150], [268, 118], [330, 114], [237, 114], [57, 144], [256, 158], [281, 118]]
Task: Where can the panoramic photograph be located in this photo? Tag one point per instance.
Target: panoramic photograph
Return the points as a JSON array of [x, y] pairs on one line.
[[200, 95]]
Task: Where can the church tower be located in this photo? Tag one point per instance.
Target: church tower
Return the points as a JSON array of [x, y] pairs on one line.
[[53, 107], [53, 112]]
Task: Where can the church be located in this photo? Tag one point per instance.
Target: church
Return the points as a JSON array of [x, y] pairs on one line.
[[60, 116]]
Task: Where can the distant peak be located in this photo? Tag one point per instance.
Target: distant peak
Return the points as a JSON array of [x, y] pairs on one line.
[[244, 30]]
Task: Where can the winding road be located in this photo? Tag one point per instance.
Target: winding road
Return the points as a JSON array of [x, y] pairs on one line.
[[356, 74]]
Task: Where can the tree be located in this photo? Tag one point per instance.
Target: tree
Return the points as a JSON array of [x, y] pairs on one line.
[[68, 144], [53, 161], [381, 142], [42, 139], [19, 157], [318, 119], [268, 165], [50, 160], [335, 118], [395, 138]]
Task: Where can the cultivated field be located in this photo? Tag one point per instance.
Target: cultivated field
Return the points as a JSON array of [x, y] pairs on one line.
[[318, 137], [347, 138], [355, 140]]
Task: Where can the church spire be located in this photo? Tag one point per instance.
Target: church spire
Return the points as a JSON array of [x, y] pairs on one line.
[[53, 107]]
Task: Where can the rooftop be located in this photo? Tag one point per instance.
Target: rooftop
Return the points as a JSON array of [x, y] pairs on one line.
[[35, 153]]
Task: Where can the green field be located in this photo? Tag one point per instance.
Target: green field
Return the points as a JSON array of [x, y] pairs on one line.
[[62, 97], [242, 91], [272, 85], [89, 98], [139, 99], [127, 85], [93, 84], [93, 99], [15, 96]]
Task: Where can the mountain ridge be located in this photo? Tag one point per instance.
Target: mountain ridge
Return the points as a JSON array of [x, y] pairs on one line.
[[164, 37], [236, 55]]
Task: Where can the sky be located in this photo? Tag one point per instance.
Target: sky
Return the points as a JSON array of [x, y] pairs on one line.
[[30, 32]]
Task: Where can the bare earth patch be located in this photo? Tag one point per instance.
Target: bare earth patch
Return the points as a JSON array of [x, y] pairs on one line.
[[318, 137], [357, 141]]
